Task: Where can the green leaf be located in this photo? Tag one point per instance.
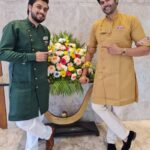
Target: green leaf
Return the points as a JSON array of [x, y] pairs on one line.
[[65, 87]]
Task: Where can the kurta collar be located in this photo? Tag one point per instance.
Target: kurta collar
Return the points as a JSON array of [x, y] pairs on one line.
[[113, 17], [30, 24]]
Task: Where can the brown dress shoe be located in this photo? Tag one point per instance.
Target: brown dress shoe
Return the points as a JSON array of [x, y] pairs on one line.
[[50, 141]]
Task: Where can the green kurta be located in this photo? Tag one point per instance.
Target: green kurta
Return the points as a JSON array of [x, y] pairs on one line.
[[29, 88]]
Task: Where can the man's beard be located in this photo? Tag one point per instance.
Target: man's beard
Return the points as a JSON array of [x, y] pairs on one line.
[[112, 9], [34, 17]]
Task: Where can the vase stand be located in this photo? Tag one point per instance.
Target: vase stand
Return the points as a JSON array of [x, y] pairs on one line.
[[78, 128]]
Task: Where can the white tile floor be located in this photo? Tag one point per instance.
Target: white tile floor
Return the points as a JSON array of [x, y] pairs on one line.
[[14, 139]]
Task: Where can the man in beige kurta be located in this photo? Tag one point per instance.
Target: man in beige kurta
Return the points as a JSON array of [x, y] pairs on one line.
[[115, 80]]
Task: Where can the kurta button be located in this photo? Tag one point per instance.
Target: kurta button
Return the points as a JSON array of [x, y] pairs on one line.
[[37, 87], [33, 49], [36, 78], [30, 35], [31, 40], [34, 68]]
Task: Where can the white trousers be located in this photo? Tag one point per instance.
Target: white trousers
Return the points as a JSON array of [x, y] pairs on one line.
[[115, 126], [35, 129]]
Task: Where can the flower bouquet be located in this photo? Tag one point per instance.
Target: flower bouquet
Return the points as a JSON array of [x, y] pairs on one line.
[[66, 64]]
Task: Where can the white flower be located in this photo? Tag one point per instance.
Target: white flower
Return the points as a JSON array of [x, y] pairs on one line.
[[56, 74], [83, 59], [83, 50], [71, 50], [55, 59], [72, 45], [62, 40], [73, 76], [51, 69], [77, 61], [90, 70], [81, 53], [59, 53], [67, 58], [62, 47], [57, 46], [70, 64], [79, 72], [65, 68]]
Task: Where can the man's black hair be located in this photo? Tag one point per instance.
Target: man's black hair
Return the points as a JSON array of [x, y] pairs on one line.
[[99, 1], [31, 2]]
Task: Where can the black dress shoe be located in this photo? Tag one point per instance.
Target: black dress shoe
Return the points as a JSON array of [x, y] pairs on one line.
[[111, 146], [131, 137]]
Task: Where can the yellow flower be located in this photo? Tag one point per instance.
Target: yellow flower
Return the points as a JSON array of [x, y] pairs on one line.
[[49, 47], [73, 55], [71, 68], [63, 73], [73, 45], [65, 52], [67, 42], [87, 64], [49, 58], [78, 50], [72, 50]]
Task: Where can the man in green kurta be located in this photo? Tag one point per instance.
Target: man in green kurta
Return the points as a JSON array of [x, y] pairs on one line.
[[24, 44]]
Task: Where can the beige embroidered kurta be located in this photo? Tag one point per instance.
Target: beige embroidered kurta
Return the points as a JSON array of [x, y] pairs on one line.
[[115, 80]]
